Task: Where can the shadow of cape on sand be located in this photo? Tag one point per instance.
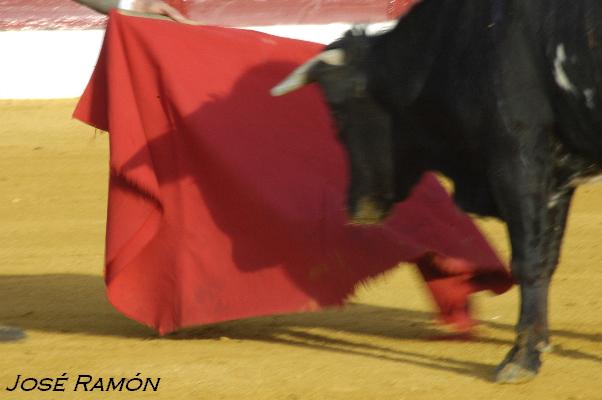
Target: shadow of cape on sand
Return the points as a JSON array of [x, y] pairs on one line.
[[76, 303]]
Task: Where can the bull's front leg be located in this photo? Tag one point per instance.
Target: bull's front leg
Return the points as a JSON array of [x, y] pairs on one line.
[[559, 202], [526, 226], [536, 215], [523, 180], [523, 360]]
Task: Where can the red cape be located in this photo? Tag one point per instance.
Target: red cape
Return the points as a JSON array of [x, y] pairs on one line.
[[227, 203]]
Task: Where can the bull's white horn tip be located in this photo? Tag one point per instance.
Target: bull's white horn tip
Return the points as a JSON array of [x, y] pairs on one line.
[[289, 85], [277, 91]]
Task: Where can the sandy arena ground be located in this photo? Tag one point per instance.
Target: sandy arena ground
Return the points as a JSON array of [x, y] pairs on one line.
[[53, 181]]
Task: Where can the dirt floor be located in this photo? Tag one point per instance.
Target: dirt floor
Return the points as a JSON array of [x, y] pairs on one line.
[[53, 181]]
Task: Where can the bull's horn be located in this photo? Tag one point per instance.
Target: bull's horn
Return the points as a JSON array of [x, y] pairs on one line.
[[298, 77]]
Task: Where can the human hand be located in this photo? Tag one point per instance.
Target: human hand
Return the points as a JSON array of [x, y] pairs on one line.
[[156, 7]]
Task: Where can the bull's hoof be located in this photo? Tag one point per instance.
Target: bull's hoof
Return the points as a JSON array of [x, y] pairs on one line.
[[514, 373], [10, 334], [519, 366]]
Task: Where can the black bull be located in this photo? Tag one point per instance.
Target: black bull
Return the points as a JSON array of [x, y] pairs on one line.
[[503, 97]]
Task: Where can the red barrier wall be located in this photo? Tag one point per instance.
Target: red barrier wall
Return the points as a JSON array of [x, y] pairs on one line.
[[47, 14], [66, 14]]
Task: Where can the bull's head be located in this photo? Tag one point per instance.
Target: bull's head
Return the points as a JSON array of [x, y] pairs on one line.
[[343, 72]]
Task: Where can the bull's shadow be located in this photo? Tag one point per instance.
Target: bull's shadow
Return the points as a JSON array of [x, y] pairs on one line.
[[272, 176]]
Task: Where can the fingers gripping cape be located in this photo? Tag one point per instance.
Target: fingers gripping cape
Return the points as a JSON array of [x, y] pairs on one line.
[[227, 203]]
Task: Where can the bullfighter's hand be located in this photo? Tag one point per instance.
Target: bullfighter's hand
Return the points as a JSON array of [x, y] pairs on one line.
[[158, 7]]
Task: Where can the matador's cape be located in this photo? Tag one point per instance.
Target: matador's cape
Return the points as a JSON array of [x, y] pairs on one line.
[[227, 203]]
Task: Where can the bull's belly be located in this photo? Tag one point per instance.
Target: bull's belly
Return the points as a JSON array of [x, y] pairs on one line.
[[572, 170], [572, 183]]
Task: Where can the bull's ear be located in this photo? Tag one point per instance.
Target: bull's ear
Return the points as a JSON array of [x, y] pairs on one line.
[[300, 77]]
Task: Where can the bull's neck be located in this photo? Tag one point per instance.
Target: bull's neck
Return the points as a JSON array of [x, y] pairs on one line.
[[404, 57]]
